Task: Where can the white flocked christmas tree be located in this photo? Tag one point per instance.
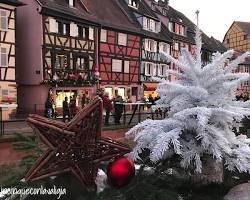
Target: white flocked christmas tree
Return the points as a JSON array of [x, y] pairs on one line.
[[202, 114]]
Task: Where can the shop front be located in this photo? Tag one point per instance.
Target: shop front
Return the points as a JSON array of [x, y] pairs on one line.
[[128, 93], [58, 95], [149, 88]]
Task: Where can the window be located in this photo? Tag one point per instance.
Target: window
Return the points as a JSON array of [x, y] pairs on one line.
[[83, 32], [177, 46], [171, 26], [150, 69], [116, 65], [133, 3], [109, 90], [245, 37], [103, 35], [5, 93], [122, 39], [151, 25], [66, 29], [81, 63], [61, 61], [228, 41], [182, 30], [3, 20], [121, 92], [3, 57], [61, 94], [150, 45], [126, 66], [162, 70], [164, 47], [72, 3], [62, 28]]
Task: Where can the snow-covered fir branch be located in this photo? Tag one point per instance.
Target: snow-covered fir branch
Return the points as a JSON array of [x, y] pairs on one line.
[[203, 112]]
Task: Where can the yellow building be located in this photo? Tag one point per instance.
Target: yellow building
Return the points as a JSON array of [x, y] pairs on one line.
[[8, 52], [238, 38]]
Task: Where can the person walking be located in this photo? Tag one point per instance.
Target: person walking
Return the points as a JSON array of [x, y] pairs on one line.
[[107, 105], [83, 101], [49, 108], [66, 109], [118, 107], [151, 101], [72, 106]]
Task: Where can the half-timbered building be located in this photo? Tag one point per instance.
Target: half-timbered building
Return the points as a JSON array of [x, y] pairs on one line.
[[181, 32], [154, 41], [8, 91], [119, 50], [238, 38], [58, 49]]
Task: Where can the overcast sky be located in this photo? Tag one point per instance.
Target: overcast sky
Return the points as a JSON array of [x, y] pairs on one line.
[[216, 16]]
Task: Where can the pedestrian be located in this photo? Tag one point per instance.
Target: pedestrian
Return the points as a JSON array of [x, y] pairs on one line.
[[151, 101], [158, 111], [118, 107], [66, 109], [49, 108], [107, 105], [83, 102], [72, 106], [245, 98]]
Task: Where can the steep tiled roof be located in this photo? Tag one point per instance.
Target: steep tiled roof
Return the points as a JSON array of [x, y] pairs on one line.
[[245, 26], [175, 16], [94, 11], [131, 12], [12, 2]]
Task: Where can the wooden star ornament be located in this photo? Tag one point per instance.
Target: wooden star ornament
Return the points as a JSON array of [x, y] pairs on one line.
[[75, 147]]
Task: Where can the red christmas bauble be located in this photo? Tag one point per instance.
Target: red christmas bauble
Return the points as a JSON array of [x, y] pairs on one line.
[[120, 172]]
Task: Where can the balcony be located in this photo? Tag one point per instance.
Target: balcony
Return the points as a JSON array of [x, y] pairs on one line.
[[70, 77]]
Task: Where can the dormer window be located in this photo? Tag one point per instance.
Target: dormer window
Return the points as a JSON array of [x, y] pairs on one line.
[[72, 3], [151, 25], [133, 3]]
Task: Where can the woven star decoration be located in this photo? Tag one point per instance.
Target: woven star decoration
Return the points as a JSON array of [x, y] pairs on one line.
[[75, 147]]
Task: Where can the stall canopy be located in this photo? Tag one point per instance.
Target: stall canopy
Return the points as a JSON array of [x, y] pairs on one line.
[[150, 86]]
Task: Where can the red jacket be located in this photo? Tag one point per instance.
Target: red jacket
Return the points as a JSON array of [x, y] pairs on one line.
[[107, 103]]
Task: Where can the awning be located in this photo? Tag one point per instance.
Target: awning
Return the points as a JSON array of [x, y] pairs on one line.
[[150, 86]]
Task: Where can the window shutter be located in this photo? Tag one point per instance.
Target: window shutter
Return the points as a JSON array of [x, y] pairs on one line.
[[146, 44], [144, 22], [151, 25], [91, 33], [116, 65], [103, 35], [53, 26], [126, 66], [73, 30], [154, 70], [146, 65], [3, 57], [155, 46], [122, 39], [158, 27], [3, 20], [160, 47]]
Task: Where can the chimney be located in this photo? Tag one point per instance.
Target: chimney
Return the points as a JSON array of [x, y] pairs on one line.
[[166, 3]]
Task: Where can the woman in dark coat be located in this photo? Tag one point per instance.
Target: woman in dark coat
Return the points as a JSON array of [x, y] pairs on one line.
[[72, 106], [118, 107]]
